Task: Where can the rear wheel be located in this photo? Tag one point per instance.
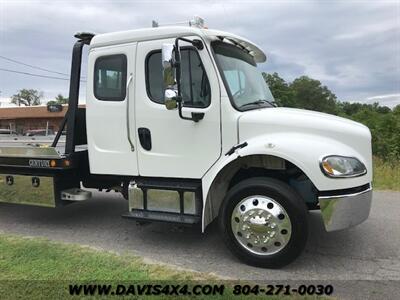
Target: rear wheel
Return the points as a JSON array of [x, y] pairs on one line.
[[264, 222]]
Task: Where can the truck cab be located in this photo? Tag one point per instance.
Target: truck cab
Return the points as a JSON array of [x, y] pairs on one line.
[[180, 120]]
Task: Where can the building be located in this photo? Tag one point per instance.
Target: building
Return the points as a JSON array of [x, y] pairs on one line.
[[24, 118]]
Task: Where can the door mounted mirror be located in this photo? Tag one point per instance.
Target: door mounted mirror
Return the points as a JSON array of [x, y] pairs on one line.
[[171, 65]]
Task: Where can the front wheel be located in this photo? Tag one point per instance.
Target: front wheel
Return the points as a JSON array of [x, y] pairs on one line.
[[263, 222]]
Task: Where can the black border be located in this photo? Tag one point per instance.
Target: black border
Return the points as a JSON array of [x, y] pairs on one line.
[[124, 77]]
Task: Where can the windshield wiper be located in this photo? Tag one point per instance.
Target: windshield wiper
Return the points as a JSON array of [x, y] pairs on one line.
[[258, 102]]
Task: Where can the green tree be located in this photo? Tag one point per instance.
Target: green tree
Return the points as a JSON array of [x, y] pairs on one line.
[[310, 94], [280, 90], [27, 97], [348, 108], [396, 110], [60, 99], [51, 102]]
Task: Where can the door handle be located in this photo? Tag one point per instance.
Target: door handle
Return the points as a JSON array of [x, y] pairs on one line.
[[128, 127], [145, 138]]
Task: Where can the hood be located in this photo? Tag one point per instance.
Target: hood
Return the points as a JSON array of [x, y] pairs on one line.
[[271, 121]]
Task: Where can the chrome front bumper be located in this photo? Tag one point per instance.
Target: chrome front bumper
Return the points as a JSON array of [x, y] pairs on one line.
[[344, 211]]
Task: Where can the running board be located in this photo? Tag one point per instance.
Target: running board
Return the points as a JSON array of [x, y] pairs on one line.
[[154, 216], [173, 196], [165, 200], [191, 185]]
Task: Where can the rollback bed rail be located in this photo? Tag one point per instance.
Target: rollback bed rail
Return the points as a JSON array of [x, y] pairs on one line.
[[43, 176], [70, 118]]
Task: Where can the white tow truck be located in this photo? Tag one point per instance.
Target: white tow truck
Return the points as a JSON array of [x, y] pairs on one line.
[[181, 122]]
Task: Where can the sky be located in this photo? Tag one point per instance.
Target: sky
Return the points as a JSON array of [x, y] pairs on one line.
[[352, 47]]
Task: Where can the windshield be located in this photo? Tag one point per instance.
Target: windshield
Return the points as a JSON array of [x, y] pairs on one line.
[[243, 80]]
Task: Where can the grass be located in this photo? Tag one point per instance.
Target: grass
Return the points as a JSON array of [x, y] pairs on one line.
[[32, 266], [39, 269], [386, 175]]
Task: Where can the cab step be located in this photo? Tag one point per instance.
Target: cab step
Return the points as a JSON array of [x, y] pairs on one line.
[[160, 200], [155, 216]]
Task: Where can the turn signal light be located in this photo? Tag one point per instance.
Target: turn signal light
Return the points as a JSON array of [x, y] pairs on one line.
[[327, 167]]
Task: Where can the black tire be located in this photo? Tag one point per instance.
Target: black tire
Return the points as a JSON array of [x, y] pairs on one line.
[[288, 199]]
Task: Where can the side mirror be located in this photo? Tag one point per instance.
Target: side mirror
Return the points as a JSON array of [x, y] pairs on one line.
[[169, 76], [171, 64]]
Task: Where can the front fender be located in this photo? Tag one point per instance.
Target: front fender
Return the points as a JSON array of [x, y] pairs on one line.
[[304, 151]]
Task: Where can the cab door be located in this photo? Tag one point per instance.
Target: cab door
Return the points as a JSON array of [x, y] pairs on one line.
[[110, 94], [167, 145]]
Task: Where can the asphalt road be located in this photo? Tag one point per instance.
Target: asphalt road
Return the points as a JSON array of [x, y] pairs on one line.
[[370, 251]]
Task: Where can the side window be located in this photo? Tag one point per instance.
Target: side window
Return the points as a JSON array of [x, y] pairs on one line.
[[154, 78], [110, 77], [195, 86]]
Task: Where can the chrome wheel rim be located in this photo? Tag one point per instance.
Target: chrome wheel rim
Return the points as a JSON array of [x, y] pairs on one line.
[[261, 225]]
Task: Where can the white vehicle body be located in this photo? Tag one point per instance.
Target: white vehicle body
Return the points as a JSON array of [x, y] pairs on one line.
[[179, 120], [184, 149]]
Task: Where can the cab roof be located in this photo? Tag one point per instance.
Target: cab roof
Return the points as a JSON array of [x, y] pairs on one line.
[[147, 34]]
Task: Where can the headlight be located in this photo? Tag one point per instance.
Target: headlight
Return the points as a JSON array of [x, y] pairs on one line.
[[341, 166]]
